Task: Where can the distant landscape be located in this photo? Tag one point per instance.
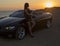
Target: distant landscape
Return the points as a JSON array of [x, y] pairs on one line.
[[54, 10]]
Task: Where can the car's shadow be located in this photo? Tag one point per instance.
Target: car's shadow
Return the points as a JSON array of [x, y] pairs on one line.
[[6, 38]]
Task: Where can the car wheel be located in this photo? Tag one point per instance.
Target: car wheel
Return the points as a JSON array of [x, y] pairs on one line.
[[48, 24], [20, 34]]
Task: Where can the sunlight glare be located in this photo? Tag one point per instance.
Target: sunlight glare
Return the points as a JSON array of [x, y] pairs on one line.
[[49, 4]]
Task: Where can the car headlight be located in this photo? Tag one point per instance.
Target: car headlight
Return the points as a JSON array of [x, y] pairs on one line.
[[10, 27]]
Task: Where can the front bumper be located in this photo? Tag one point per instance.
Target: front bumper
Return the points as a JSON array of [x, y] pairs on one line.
[[5, 31]]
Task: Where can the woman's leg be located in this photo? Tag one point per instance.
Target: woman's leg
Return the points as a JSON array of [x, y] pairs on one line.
[[30, 29], [33, 24]]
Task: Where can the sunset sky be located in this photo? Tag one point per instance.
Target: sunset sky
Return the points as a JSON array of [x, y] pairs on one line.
[[34, 4]]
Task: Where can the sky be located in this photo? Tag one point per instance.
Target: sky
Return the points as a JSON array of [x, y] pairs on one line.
[[19, 4]]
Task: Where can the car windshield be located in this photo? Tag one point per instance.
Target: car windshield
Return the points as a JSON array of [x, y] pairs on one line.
[[17, 14]]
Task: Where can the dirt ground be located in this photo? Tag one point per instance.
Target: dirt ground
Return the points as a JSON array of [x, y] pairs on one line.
[[44, 37]]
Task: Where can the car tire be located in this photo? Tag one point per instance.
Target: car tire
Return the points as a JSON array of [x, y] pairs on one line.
[[48, 23], [20, 34]]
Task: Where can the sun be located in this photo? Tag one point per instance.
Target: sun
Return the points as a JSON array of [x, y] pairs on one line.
[[49, 4]]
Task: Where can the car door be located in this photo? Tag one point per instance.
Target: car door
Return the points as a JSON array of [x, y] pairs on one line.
[[36, 18]]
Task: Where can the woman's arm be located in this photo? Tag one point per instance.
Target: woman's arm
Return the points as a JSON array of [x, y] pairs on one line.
[[27, 12]]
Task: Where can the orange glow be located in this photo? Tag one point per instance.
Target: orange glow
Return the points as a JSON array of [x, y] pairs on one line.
[[49, 4], [34, 4]]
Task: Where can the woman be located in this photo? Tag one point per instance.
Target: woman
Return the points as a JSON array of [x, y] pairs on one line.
[[28, 16]]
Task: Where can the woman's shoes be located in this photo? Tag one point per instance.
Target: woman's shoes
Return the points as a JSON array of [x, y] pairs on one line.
[[32, 36]]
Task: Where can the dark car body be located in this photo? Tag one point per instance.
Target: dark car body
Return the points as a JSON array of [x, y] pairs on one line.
[[9, 25]]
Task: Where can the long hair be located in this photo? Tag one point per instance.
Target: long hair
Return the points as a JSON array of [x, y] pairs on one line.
[[26, 5]]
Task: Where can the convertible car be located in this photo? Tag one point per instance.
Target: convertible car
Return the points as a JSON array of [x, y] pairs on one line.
[[15, 23]]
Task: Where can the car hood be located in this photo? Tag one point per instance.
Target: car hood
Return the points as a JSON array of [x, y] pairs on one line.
[[9, 20]]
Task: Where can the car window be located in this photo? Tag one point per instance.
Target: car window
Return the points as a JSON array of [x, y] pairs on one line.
[[17, 14]]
